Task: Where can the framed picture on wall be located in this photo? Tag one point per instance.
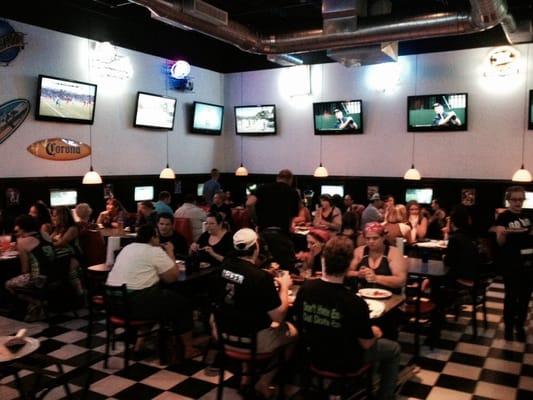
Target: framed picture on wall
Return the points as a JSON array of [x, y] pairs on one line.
[[12, 196], [108, 191], [370, 190], [468, 197]]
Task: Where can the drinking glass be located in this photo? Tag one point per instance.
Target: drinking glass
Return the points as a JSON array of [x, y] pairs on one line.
[[5, 242]]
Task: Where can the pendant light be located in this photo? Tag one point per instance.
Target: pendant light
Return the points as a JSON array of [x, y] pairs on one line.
[[412, 174], [91, 177], [167, 172], [321, 171], [522, 174], [241, 171]]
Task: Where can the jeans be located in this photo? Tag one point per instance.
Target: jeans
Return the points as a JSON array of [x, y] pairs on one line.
[[385, 355]]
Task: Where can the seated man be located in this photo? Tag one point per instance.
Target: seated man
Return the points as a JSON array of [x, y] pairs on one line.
[[335, 324], [248, 299], [146, 214], [167, 234], [142, 266]]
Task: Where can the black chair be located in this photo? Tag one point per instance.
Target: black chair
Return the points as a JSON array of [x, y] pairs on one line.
[[419, 311], [242, 349], [347, 385], [118, 315], [95, 277]]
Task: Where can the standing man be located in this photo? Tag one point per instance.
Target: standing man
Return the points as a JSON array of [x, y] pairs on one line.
[[515, 237], [162, 205], [212, 186]]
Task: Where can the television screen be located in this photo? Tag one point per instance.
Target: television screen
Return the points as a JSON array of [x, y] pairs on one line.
[[332, 190], [255, 120], [251, 188], [207, 118], [200, 189], [338, 117], [437, 112], [423, 196], [63, 197], [65, 100], [155, 111], [530, 109], [528, 204], [144, 193]]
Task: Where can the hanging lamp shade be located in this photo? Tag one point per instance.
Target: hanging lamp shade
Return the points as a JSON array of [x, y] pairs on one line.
[[241, 171], [412, 174], [92, 178], [321, 172], [522, 175], [167, 173]]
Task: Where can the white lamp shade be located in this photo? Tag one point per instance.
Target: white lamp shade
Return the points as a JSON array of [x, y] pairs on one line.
[[167, 173], [321, 172], [412, 174], [522, 175], [241, 171], [92, 178]]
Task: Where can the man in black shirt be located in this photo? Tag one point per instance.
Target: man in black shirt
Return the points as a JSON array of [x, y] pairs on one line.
[[515, 236], [248, 299], [219, 207], [334, 323], [166, 233]]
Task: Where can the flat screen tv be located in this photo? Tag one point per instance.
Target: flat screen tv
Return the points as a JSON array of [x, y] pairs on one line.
[[65, 100], [63, 197], [207, 118], [154, 111], [530, 124], [528, 204], [338, 117], [255, 120], [422, 196], [332, 190], [200, 189], [437, 112], [143, 193]]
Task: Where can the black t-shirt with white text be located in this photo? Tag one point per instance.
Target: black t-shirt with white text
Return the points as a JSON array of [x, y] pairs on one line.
[[330, 320], [245, 294], [515, 241]]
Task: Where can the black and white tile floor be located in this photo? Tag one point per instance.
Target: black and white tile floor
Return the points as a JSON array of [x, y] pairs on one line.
[[460, 367]]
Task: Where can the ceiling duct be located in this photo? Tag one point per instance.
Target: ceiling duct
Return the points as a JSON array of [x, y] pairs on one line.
[[484, 14], [205, 11], [285, 60]]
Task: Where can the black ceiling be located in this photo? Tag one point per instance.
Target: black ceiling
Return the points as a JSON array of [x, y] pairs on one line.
[[130, 26]]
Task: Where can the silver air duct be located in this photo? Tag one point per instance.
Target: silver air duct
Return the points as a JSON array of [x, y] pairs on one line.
[[485, 14]]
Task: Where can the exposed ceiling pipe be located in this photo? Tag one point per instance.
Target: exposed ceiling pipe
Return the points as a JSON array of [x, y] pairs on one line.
[[485, 14]]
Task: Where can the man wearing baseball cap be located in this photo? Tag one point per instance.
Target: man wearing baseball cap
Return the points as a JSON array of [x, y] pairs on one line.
[[371, 212], [248, 298]]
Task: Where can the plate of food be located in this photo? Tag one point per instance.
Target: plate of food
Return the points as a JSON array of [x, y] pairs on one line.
[[372, 293], [375, 307]]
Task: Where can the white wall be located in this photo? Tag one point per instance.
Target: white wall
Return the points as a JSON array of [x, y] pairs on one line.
[[491, 148], [118, 147]]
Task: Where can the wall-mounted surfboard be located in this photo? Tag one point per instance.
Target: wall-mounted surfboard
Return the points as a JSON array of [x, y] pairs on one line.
[[12, 115], [59, 149]]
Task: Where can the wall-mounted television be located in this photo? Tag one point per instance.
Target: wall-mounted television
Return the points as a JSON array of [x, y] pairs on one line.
[[422, 196], [530, 124], [338, 117], [207, 118], [154, 111], [437, 112], [63, 197], [255, 120], [65, 100], [200, 189], [142, 193], [332, 190], [528, 203]]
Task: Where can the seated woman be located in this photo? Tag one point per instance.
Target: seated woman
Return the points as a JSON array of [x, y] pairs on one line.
[[83, 212], [437, 222], [327, 216], [312, 259], [396, 226], [303, 217], [113, 216], [377, 264], [40, 212], [215, 243], [350, 226], [36, 258], [417, 221], [64, 238]]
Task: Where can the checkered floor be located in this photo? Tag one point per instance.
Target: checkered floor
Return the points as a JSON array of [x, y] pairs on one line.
[[458, 368]]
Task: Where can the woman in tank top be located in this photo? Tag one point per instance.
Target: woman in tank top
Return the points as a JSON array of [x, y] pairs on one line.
[[377, 264]]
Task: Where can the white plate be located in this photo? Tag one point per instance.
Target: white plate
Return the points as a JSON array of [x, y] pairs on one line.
[[374, 293], [376, 308]]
